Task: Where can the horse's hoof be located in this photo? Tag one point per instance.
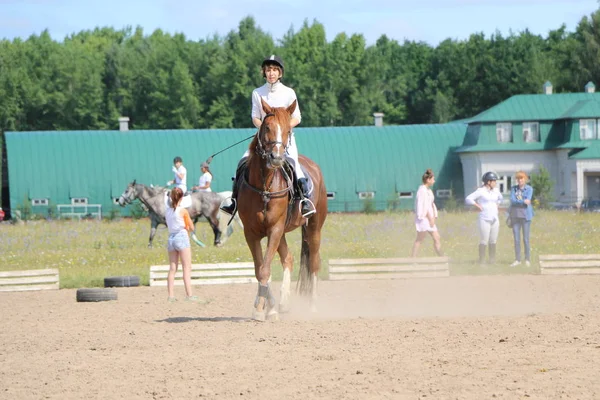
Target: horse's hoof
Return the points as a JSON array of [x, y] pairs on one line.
[[259, 316], [273, 315], [218, 244]]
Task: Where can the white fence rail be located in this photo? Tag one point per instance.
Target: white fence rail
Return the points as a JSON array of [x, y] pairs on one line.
[[79, 210]]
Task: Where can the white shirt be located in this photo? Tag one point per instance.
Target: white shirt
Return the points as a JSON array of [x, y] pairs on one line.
[[179, 182], [275, 95], [425, 203], [204, 179], [488, 199]]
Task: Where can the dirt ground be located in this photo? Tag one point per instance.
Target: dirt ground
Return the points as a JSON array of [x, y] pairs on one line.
[[486, 337]]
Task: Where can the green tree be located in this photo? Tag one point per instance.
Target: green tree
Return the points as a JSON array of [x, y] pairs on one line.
[[542, 187]]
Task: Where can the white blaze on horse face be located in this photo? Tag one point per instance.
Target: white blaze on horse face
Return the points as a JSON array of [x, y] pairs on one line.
[[279, 141]]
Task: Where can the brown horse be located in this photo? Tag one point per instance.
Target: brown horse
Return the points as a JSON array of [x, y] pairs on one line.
[[268, 208]]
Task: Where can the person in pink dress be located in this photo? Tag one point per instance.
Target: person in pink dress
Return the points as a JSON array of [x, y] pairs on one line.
[[426, 214]]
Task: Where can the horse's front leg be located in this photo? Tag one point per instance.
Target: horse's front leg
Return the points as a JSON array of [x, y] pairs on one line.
[[287, 260], [264, 306], [262, 297]]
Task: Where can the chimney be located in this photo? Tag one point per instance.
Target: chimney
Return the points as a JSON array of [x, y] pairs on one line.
[[547, 88], [124, 124], [378, 117], [590, 87]]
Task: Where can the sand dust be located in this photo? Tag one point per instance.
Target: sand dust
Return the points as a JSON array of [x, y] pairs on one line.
[[487, 337]]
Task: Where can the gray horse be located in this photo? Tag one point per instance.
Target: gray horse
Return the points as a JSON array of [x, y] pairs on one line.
[[224, 226], [204, 204]]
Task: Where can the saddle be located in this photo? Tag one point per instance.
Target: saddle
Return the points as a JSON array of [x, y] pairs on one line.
[[242, 171]]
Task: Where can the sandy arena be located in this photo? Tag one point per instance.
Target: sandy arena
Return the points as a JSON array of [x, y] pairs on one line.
[[488, 337]]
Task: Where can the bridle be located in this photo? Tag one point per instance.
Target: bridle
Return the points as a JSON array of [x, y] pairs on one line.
[[263, 150], [126, 197]]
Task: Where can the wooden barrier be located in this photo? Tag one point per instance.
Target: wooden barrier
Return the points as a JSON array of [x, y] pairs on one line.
[[388, 268], [570, 264], [35, 279], [206, 274]]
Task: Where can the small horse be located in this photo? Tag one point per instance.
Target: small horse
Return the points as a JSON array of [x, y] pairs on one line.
[[204, 204], [268, 208]]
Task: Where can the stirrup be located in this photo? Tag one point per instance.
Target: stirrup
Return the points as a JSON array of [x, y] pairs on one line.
[[311, 211], [231, 208]]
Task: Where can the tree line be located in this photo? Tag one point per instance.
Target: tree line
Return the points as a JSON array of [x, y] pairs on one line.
[[165, 81]]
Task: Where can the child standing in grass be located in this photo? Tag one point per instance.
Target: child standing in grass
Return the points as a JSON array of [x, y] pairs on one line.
[[179, 224]]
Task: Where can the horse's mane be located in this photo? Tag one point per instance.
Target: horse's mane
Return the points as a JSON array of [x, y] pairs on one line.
[[252, 146]]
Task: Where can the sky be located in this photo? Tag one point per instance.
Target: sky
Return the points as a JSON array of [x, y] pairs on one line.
[[430, 21]]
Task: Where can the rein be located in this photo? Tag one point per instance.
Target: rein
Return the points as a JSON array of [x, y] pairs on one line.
[[263, 150]]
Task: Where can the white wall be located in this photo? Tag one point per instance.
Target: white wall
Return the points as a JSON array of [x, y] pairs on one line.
[[508, 163]]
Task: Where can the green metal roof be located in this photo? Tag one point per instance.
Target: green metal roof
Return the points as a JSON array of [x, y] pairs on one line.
[[60, 165], [591, 151], [540, 107]]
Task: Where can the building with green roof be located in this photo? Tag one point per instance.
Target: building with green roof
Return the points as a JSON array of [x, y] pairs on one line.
[[379, 166], [557, 130], [85, 171]]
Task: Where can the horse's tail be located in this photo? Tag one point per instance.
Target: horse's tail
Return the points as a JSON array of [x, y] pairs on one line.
[[304, 285]]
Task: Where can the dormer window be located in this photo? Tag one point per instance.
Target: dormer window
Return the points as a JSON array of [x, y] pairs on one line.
[[531, 132], [504, 132], [587, 129]]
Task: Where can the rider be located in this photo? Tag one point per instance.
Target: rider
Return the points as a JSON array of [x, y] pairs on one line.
[[180, 174], [205, 180], [276, 94]]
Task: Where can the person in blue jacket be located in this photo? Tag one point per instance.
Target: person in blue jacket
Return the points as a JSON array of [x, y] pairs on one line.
[[521, 214]]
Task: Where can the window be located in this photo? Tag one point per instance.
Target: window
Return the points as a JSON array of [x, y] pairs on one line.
[[587, 129], [39, 202], [405, 195], [504, 132], [443, 193], [531, 132], [330, 195], [79, 200], [366, 195], [504, 184]]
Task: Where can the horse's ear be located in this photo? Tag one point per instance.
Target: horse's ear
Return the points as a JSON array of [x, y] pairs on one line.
[[133, 183], [266, 108], [292, 107]]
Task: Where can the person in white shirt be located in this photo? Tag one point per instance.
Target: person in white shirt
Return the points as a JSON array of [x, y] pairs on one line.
[[276, 94], [180, 173], [205, 180], [486, 199], [426, 214]]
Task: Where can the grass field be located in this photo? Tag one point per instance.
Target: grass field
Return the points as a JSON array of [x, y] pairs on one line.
[[87, 251]]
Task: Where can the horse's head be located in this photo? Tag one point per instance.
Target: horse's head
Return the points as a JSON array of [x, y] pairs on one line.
[[273, 136], [128, 195]]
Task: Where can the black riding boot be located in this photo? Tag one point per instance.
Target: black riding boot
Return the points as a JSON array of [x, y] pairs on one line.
[[307, 207], [492, 253], [232, 208], [482, 254]]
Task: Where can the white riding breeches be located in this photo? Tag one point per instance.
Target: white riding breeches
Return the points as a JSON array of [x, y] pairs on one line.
[[488, 231], [291, 154]]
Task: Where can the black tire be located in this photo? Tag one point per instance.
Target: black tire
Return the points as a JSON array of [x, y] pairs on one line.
[[96, 294], [121, 281]]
